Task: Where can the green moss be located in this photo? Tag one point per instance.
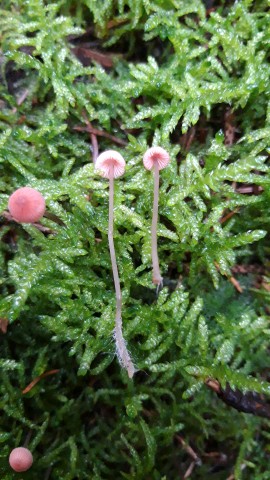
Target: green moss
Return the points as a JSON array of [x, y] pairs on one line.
[[177, 71]]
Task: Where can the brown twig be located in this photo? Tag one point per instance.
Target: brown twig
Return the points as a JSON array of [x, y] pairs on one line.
[[187, 139], [3, 325], [195, 458], [229, 128], [228, 216], [236, 284], [188, 449], [189, 470], [54, 218], [40, 227], [249, 402], [233, 280], [93, 137], [115, 23], [28, 438], [101, 133], [37, 379], [250, 189], [88, 55], [245, 269], [22, 97], [213, 384], [218, 455]]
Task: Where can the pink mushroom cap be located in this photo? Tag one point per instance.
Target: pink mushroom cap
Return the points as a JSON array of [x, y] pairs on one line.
[[156, 155], [109, 159], [20, 459], [26, 205]]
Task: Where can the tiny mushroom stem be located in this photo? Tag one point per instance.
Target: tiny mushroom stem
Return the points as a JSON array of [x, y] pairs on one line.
[[156, 278], [155, 158], [111, 165]]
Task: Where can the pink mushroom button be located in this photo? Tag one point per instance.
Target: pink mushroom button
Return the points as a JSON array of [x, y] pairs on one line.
[[26, 205], [20, 459], [156, 155], [110, 163]]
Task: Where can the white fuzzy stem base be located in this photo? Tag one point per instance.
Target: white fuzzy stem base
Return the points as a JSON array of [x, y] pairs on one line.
[[121, 349]]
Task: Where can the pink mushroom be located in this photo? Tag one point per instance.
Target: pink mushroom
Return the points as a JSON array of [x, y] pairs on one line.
[[111, 164], [155, 158], [26, 205], [20, 459]]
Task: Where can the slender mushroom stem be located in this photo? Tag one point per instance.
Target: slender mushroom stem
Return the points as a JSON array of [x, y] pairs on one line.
[[121, 348], [157, 278], [155, 158], [28, 438]]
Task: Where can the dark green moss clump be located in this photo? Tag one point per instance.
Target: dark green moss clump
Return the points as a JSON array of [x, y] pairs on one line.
[[192, 77]]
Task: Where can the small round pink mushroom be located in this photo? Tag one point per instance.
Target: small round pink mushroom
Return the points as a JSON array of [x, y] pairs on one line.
[[155, 158], [156, 155], [26, 205], [111, 164], [20, 459]]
